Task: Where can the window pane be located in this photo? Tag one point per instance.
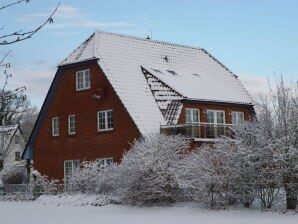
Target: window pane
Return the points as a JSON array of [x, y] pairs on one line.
[[101, 120], [110, 119], [55, 126], [105, 120], [210, 116], [87, 79], [240, 118], [237, 118], [188, 116], [220, 117], [234, 118], [76, 164], [72, 124], [195, 116], [68, 168], [80, 80], [191, 116]]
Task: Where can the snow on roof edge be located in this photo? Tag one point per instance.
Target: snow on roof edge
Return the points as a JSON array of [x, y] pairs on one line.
[[147, 40]]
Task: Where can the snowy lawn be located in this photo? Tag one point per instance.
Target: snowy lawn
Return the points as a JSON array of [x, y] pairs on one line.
[[37, 213]]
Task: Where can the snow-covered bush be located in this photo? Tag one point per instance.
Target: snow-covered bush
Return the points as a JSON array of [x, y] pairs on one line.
[[84, 179], [93, 178], [207, 175], [148, 171], [42, 185], [259, 174], [14, 175]]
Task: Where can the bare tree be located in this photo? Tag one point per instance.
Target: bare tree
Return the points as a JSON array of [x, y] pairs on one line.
[[20, 35], [273, 141], [14, 102]]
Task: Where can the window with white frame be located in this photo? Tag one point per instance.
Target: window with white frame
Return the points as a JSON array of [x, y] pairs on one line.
[[69, 167], [105, 120], [71, 124], [216, 116], [83, 80], [104, 162], [192, 116], [55, 126], [237, 117]]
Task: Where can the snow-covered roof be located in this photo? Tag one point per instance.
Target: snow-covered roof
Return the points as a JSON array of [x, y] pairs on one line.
[[192, 72]]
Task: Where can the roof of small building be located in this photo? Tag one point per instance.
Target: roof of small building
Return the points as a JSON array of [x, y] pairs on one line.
[[191, 72]]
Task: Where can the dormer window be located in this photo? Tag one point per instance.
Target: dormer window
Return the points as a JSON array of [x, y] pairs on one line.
[[83, 80]]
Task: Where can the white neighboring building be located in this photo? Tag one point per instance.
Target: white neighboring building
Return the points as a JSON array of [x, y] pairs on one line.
[[11, 146]]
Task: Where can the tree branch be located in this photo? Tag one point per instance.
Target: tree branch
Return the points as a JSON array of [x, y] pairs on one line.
[[14, 3], [23, 35]]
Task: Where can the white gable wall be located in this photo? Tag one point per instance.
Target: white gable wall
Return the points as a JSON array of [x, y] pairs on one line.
[[14, 147]]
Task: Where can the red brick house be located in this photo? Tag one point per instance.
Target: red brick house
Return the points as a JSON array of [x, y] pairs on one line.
[[114, 88]]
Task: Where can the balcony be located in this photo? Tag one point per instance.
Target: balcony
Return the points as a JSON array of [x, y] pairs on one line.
[[200, 131]]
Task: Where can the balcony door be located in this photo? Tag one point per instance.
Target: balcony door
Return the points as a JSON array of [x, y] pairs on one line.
[[216, 121], [192, 120]]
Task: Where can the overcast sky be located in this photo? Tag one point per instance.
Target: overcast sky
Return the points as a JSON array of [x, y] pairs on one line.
[[254, 38]]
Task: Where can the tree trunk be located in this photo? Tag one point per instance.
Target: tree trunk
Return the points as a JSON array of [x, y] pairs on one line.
[[291, 202], [291, 192]]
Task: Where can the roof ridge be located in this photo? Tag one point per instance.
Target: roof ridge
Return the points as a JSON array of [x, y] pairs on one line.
[[148, 40], [69, 55]]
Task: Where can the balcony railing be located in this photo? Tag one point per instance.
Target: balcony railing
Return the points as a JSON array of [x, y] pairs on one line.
[[200, 130]]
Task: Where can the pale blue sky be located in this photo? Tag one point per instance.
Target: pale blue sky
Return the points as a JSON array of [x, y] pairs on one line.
[[254, 38]]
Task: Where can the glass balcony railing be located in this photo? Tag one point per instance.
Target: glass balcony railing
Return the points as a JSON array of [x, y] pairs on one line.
[[199, 130]]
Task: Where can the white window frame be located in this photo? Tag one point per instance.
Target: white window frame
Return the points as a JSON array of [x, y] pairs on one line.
[[85, 84], [192, 115], [103, 162], [71, 130], [106, 120], [215, 117], [74, 165], [236, 113], [55, 126]]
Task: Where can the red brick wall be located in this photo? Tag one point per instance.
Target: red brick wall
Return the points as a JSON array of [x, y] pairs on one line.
[[204, 107], [87, 144]]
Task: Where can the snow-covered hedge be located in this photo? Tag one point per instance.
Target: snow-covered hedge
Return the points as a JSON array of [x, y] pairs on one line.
[[148, 171], [14, 175]]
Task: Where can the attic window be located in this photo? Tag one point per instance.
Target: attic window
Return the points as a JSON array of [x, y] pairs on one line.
[[172, 72], [83, 80]]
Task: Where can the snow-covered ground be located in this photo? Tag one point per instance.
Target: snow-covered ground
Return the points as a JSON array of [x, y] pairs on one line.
[[48, 211]]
